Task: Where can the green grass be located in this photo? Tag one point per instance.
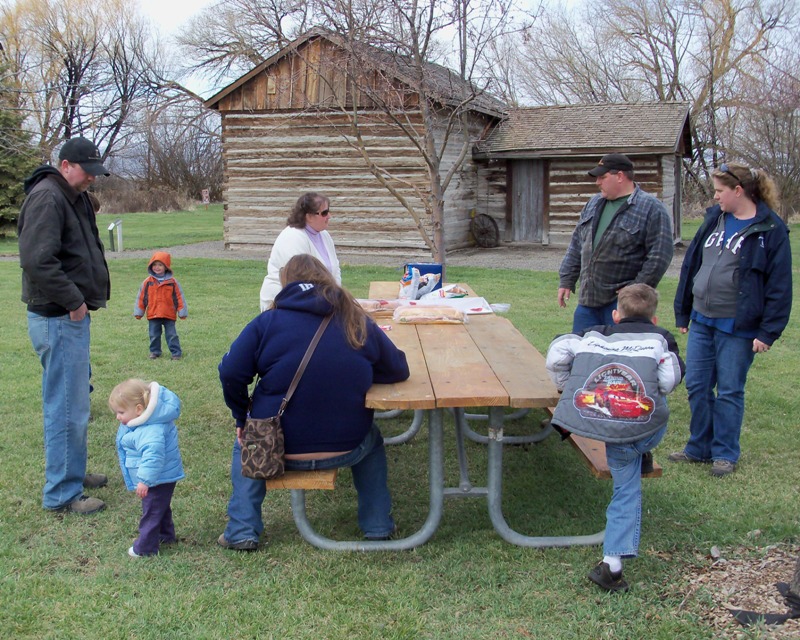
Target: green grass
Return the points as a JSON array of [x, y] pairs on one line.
[[70, 576], [153, 230]]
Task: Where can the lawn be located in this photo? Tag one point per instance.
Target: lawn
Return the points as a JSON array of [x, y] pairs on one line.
[[153, 229], [70, 577]]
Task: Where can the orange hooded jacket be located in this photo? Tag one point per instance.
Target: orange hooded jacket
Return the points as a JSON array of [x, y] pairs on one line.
[[161, 297]]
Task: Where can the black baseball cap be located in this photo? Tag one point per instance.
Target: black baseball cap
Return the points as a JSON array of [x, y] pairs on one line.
[[83, 152], [612, 162]]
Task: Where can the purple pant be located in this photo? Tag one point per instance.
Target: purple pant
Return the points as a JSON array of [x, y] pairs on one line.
[[156, 525]]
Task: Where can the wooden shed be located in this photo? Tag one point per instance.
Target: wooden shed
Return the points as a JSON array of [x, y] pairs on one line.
[[287, 128], [543, 155]]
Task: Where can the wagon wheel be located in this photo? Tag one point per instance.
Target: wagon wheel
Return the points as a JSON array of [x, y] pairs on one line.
[[484, 230]]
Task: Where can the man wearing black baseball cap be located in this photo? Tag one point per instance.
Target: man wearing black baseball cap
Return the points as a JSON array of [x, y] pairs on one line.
[[82, 152], [623, 236], [64, 276]]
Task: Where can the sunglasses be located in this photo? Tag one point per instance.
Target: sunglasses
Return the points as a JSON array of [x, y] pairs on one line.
[[323, 213], [725, 169]]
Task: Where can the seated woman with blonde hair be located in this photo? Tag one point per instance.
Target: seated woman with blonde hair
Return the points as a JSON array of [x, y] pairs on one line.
[[326, 424]]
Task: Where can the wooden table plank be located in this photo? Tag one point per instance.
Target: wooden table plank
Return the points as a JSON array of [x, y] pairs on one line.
[[514, 360], [459, 374], [414, 393]]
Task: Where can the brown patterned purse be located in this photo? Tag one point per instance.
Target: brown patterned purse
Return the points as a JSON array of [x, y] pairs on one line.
[[262, 438]]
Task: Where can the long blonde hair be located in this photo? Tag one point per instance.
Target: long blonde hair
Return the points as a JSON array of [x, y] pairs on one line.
[[129, 393], [350, 315], [756, 183]]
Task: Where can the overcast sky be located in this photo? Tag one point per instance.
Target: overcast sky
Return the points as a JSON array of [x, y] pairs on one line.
[[169, 14]]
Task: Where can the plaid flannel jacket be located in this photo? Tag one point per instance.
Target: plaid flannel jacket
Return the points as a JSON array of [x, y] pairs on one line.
[[636, 247]]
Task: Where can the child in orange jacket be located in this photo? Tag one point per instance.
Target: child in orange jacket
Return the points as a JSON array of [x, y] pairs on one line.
[[162, 297]]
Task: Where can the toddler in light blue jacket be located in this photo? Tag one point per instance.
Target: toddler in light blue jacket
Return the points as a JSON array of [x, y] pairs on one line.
[[147, 445]]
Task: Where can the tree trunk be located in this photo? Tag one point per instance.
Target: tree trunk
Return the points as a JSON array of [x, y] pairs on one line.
[[794, 585]]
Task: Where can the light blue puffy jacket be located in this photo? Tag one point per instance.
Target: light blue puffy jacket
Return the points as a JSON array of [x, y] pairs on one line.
[[148, 445]]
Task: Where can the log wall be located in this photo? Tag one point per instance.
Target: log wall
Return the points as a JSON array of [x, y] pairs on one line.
[[272, 158]]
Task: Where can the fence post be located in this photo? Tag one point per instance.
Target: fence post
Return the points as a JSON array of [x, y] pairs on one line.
[[117, 224]]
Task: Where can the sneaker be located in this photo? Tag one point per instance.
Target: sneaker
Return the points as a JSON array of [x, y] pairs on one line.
[[601, 575], [133, 554], [155, 356], [682, 456], [722, 468], [95, 480], [84, 506], [647, 462], [176, 357], [244, 545]]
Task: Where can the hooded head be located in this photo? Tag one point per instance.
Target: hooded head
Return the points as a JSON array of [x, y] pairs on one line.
[[164, 258]]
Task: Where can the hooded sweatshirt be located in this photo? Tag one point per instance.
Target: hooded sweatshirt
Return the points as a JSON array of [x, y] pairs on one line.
[[60, 252], [148, 445], [161, 296], [326, 412]]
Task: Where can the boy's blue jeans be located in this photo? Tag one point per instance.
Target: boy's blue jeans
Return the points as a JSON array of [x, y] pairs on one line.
[[624, 512], [63, 349], [170, 334], [370, 477]]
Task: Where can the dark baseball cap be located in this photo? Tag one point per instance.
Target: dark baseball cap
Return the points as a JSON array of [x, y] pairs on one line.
[[612, 162], [83, 152]]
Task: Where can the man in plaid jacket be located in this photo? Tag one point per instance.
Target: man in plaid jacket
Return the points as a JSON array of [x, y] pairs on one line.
[[623, 236]]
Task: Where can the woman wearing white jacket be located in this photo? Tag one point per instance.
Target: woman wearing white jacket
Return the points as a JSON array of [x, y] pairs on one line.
[[306, 233]]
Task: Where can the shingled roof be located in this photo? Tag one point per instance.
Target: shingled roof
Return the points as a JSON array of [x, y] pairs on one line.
[[572, 130]]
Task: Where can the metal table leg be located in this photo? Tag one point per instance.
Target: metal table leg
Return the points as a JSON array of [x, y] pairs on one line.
[[416, 423], [495, 496], [462, 418], [436, 481]]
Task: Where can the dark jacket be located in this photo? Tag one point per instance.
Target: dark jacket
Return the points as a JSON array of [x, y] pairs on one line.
[[60, 252], [614, 379], [765, 274], [326, 412]]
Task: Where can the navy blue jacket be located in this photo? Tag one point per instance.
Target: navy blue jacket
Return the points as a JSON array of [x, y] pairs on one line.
[[326, 412], [765, 275]]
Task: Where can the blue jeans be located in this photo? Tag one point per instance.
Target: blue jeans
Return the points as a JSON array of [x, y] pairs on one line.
[[170, 333], [63, 349], [716, 359], [370, 477], [586, 317], [624, 512]]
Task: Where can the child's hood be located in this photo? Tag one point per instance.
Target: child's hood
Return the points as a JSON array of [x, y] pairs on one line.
[[164, 406], [160, 256]]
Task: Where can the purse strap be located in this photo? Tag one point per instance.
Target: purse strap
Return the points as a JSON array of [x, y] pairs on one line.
[[303, 363]]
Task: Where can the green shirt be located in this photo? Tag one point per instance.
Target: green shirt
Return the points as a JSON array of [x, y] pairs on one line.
[[609, 211]]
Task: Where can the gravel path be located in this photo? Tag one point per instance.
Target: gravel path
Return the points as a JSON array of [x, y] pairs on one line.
[[511, 256]]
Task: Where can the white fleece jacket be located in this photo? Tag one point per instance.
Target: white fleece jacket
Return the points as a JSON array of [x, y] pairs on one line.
[[291, 242]]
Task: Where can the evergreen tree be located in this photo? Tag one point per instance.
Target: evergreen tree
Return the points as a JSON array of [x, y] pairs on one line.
[[17, 157]]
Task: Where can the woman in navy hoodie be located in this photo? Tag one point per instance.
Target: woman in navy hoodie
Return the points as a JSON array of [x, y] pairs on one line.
[[326, 424]]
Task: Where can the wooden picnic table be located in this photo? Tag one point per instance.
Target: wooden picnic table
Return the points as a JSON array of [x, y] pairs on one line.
[[485, 362]]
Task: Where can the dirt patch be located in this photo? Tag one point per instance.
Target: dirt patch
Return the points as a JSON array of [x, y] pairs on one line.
[[742, 578]]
